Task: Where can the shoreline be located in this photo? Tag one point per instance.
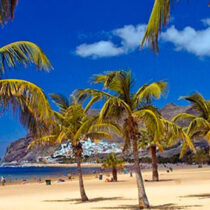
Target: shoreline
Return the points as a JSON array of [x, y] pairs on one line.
[[106, 173], [189, 189]]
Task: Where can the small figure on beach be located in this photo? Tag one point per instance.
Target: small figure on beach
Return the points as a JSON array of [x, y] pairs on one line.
[[100, 176], [23, 181], [3, 180], [131, 173], [69, 175], [109, 180]]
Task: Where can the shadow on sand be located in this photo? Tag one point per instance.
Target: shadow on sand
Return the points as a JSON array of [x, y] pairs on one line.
[[167, 206], [78, 201], [161, 180], [200, 196]]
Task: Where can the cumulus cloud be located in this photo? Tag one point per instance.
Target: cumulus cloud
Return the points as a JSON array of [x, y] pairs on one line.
[[127, 39], [129, 36], [189, 39], [98, 49]]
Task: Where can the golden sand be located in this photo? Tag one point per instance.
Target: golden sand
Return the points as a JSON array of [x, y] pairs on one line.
[[187, 188]]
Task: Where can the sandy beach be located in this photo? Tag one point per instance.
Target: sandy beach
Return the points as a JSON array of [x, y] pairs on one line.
[[186, 188]]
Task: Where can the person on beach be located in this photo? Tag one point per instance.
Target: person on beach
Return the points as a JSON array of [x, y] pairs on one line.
[[69, 175], [3, 180]]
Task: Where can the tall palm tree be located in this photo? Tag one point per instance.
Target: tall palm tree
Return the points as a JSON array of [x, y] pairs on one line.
[[73, 124], [122, 103], [198, 123], [114, 163]]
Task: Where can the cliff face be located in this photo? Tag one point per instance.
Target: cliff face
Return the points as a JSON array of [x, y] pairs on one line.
[[17, 151]]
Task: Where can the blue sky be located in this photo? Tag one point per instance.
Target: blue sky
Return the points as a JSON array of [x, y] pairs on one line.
[[82, 38]]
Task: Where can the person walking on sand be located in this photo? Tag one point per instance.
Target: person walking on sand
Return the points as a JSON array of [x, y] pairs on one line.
[[3, 180]]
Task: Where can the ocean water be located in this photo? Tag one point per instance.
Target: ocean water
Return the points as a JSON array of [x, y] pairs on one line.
[[17, 173]]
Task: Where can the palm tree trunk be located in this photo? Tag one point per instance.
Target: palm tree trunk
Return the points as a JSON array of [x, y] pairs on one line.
[[155, 176], [143, 201], [81, 184], [114, 173]]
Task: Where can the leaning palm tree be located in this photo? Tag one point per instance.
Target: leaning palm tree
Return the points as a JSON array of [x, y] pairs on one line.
[[72, 124], [198, 123], [114, 163], [120, 102]]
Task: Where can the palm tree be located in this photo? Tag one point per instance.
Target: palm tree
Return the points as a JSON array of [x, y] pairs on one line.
[[122, 103], [159, 16], [170, 134], [73, 124], [113, 162], [198, 123]]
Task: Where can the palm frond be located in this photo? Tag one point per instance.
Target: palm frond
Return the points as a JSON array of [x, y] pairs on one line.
[[83, 94], [199, 104], [150, 91], [114, 101], [98, 135], [151, 120], [198, 125], [34, 96], [7, 8], [91, 102], [112, 160], [159, 16], [183, 117], [27, 99], [118, 81], [84, 128], [23, 52], [42, 141], [108, 127], [61, 101]]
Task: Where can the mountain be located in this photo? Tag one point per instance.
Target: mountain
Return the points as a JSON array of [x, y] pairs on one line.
[[17, 151]]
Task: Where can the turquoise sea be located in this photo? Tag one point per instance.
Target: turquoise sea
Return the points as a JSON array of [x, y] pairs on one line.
[[17, 173]]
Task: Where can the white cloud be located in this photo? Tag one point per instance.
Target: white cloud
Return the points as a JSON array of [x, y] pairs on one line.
[[98, 49], [129, 36], [189, 39]]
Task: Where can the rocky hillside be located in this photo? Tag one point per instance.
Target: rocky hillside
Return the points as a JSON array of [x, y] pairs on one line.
[[17, 151]]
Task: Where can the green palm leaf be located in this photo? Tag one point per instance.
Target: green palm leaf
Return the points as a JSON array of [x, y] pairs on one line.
[[159, 16], [149, 91], [7, 8], [29, 100], [23, 52], [183, 117]]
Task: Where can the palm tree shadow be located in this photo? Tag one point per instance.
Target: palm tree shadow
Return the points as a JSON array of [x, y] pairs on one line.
[[161, 180], [167, 206], [78, 201], [200, 196]]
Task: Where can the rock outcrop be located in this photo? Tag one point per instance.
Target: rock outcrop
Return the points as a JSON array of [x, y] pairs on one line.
[[17, 151]]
